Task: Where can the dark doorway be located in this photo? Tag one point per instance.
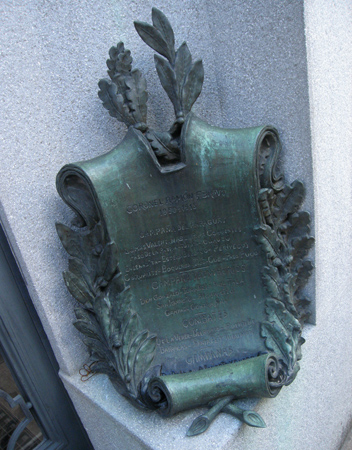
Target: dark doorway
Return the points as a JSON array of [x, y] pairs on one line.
[[36, 412]]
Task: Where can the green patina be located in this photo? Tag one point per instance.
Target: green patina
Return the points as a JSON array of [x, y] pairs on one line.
[[188, 255]]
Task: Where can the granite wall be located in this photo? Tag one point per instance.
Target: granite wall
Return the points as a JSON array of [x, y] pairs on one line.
[[53, 53]]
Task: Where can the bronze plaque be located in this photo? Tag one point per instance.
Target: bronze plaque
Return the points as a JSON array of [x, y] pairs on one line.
[[189, 255]]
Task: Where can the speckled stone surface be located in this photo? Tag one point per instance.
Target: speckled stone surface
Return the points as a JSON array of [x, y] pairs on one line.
[[52, 55]]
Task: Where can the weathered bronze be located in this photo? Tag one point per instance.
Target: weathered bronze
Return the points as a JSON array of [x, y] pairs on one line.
[[188, 255]]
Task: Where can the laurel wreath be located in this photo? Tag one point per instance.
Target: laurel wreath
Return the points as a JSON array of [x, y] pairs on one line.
[[284, 237], [118, 344]]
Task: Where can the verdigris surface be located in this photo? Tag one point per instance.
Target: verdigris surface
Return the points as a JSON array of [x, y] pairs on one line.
[[188, 253]]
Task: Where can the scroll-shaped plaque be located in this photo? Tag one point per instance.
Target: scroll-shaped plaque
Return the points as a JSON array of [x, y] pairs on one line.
[[188, 254]]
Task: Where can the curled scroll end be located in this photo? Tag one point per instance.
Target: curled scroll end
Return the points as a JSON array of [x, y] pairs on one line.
[[275, 375], [268, 150], [77, 192], [152, 372], [160, 396]]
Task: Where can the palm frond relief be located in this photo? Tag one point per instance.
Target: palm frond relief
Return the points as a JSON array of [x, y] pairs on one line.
[[125, 95]]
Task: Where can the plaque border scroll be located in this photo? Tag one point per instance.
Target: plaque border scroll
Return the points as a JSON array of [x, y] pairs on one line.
[[119, 344]]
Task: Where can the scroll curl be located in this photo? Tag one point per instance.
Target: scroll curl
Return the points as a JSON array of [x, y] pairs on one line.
[[269, 148], [255, 377]]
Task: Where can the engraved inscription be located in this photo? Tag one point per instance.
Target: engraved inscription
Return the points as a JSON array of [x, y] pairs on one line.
[[196, 245], [190, 268], [176, 203]]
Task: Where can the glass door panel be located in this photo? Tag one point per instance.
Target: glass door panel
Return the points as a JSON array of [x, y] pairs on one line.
[[18, 428]]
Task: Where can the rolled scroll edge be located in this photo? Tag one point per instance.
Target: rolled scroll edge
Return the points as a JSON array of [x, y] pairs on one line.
[[253, 377]]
